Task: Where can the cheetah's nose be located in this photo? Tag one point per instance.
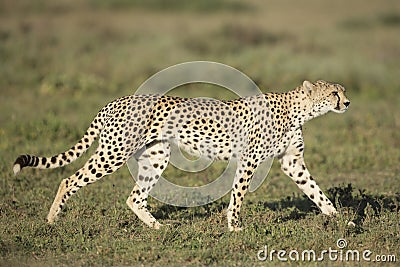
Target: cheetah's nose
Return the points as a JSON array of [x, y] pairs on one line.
[[347, 103]]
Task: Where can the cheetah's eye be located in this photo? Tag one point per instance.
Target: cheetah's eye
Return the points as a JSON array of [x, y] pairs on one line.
[[336, 94]]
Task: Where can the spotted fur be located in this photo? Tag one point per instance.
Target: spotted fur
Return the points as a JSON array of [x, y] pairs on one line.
[[250, 129]]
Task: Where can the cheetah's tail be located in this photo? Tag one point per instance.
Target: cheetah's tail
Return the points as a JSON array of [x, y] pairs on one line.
[[70, 155]]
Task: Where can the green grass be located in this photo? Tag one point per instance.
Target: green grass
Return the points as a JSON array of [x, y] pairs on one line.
[[61, 62]]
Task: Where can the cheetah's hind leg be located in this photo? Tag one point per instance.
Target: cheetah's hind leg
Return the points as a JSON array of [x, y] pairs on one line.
[[151, 164], [94, 169]]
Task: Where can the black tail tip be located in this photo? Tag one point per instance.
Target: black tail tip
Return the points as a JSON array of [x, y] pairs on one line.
[[21, 162]]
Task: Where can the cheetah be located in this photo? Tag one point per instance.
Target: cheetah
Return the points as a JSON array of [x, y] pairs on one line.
[[250, 129]]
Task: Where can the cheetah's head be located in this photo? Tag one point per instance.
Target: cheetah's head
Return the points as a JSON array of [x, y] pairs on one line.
[[326, 96]]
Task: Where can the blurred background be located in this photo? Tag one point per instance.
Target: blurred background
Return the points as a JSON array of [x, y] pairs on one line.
[[61, 61], [112, 46]]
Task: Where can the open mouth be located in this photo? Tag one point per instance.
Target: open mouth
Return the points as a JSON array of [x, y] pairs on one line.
[[339, 110]]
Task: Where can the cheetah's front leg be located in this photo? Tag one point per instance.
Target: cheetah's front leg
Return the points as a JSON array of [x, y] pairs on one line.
[[244, 173], [292, 164]]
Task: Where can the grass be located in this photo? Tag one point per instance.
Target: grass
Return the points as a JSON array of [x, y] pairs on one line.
[[61, 62]]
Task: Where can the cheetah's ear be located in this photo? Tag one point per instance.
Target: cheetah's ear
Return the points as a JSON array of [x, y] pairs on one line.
[[308, 87]]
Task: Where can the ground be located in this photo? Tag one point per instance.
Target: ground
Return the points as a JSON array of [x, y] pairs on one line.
[[60, 63]]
